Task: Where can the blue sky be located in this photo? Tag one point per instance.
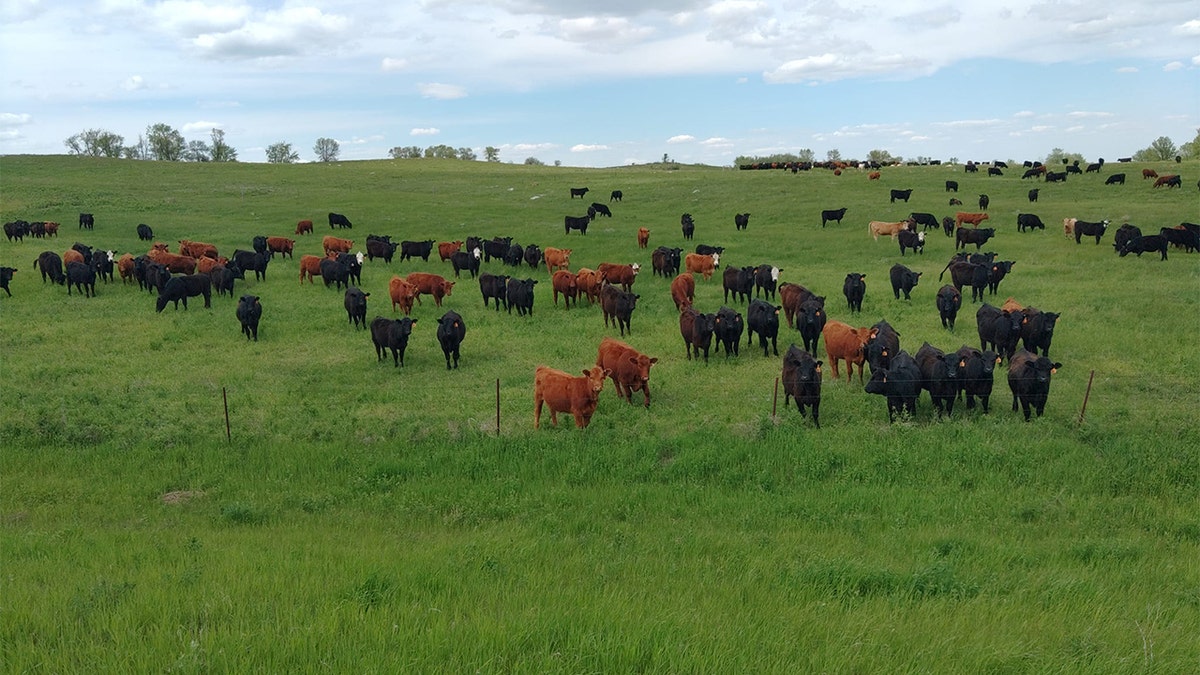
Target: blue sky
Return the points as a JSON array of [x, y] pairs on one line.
[[608, 83]]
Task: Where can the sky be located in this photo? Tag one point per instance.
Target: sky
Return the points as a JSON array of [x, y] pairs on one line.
[[601, 84]]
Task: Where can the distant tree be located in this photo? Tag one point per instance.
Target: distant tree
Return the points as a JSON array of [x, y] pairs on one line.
[[406, 152], [95, 143], [441, 151], [534, 161], [197, 151], [558, 162], [467, 154], [326, 150], [1057, 155], [833, 155], [220, 151], [166, 144], [281, 153], [139, 150], [882, 157], [954, 160], [491, 154], [1191, 149], [1162, 148], [806, 155]]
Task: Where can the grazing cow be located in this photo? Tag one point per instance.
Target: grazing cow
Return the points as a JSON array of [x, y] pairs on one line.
[[430, 284], [964, 236], [1115, 179], [728, 327], [901, 194], [793, 296], [697, 331], [739, 280], [1029, 380], [618, 305], [975, 373], [683, 290], [1033, 195], [766, 279], [971, 167], [564, 282], [1029, 221], [616, 196], [951, 186], [628, 368], [1074, 168], [706, 249], [1000, 328], [843, 342], [416, 249], [1069, 227], [854, 288], [702, 264], [1123, 234], [249, 311], [356, 306], [334, 272], [310, 266], [588, 282], [913, 240], [338, 220], [833, 214], [1056, 176], [878, 227], [175, 263], [954, 201], [971, 218], [874, 175], [741, 221], [16, 229], [643, 237], [903, 279], [336, 245], [86, 221], [949, 301], [83, 277], [1032, 173], [391, 334], [1149, 173], [1180, 237], [494, 286], [1086, 229], [687, 225], [304, 227], [578, 192], [801, 377], [282, 246], [619, 274], [565, 393], [1094, 167], [763, 318], [601, 209], [520, 295], [1170, 180], [466, 260], [928, 220], [556, 259], [882, 345], [182, 288], [451, 331], [666, 261], [6, 275], [448, 248], [402, 294], [900, 382], [994, 171], [939, 376], [222, 279], [144, 232]]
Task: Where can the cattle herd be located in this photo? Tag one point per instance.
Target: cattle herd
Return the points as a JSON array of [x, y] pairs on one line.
[[1010, 333]]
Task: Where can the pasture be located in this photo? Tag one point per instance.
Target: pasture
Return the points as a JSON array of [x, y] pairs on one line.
[[370, 518]]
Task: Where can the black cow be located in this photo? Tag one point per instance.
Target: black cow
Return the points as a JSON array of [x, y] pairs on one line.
[[971, 167], [903, 279], [497, 247], [1147, 244], [515, 255], [697, 331], [356, 306], [1029, 221], [687, 225], [1115, 179], [999, 328], [1088, 229], [801, 379], [854, 288], [83, 277], [416, 249], [1074, 168], [741, 221], [900, 382], [249, 311], [618, 305], [144, 232], [910, 239], [883, 344], [1037, 330], [616, 196], [16, 229], [948, 226], [983, 202], [1185, 237], [576, 223], [450, 333], [1056, 176], [810, 321], [1033, 195], [666, 261], [259, 244], [381, 248], [969, 235], [939, 376], [929, 220], [833, 214], [533, 256], [951, 186], [949, 301], [84, 250], [391, 334], [86, 221], [601, 209], [766, 279], [1094, 167], [335, 272], [50, 265], [763, 318], [1123, 234], [976, 373], [520, 295], [996, 273], [157, 276], [728, 327], [705, 249], [249, 260], [338, 220], [994, 171], [739, 281], [901, 194], [578, 192], [1029, 380], [222, 279], [103, 263], [967, 273], [6, 275], [466, 260], [1031, 173], [353, 265], [494, 286], [184, 287]]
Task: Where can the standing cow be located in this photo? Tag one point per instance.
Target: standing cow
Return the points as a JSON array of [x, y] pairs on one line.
[[628, 368], [450, 333], [1029, 380], [801, 379], [249, 311], [565, 393]]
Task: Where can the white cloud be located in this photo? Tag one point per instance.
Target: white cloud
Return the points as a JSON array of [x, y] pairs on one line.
[[390, 65], [1127, 69], [206, 127], [588, 148], [441, 92], [288, 32], [1188, 28], [717, 142], [134, 83], [1082, 114], [425, 131], [829, 67], [14, 119], [681, 138], [1173, 66], [1024, 113]]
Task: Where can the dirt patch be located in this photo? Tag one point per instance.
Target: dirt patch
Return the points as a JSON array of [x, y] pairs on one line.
[[181, 496]]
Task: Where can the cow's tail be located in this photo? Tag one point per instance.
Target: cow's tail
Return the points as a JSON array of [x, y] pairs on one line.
[[943, 271]]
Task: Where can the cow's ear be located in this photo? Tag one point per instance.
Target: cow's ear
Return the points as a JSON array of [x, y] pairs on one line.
[[633, 360], [997, 360], [654, 360], [1056, 367]]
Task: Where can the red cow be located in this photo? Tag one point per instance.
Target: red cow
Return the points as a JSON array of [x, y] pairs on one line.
[[403, 294], [587, 282], [336, 245], [175, 263], [973, 218], [51, 229], [1170, 180], [683, 290], [304, 227], [70, 256], [792, 296], [430, 284], [310, 266], [556, 259], [617, 274], [874, 175], [205, 264], [643, 237], [197, 249], [281, 245], [1149, 173], [566, 283], [448, 248], [567, 394], [126, 267], [844, 342], [702, 264], [629, 368]]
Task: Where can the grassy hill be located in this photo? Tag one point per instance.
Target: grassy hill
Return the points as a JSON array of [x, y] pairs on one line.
[[366, 517]]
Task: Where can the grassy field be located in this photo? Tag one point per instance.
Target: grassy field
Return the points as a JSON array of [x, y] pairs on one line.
[[368, 518]]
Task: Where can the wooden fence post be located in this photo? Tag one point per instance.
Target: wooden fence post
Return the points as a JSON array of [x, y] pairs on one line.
[[1086, 394]]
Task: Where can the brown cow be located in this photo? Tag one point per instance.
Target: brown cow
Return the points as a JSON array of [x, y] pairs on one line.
[[402, 293], [205, 264], [51, 229], [310, 266], [126, 267], [844, 342], [448, 248], [874, 175], [973, 218], [175, 263], [556, 259], [878, 227], [587, 282], [336, 245], [1069, 227], [281, 245], [71, 255], [792, 296], [643, 237], [197, 249], [702, 264], [683, 290], [1168, 180], [566, 393], [1149, 173], [565, 282], [629, 368], [430, 284], [1011, 306], [304, 227], [618, 274]]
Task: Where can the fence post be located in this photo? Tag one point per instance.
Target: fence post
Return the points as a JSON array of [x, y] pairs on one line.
[[1086, 394], [225, 398], [775, 400]]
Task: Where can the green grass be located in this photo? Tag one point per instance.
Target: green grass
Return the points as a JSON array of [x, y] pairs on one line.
[[369, 519]]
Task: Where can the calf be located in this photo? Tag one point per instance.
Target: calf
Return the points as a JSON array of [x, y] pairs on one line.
[[900, 382], [1147, 244], [86, 221], [304, 227], [1029, 380], [766, 279], [903, 279], [249, 311], [728, 327], [643, 237], [913, 240], [494, 286], [855, 288], [520, 295], [927, 220], [391, 334], [763, 318], [949, 301], [939, 376], [1087, 229], [1149, 173], [565, 393], [801, 377], [833, 214], [741, 221], [601, 209], [564, 282], [183, 287], [335, 220], [451, 331], [144, 233], [1029, 221], [1069, 227], [618, 305], [739, 280], [628, 368], [976, 374], [697, 331], [356, 306], [402, 294], [844, 342]]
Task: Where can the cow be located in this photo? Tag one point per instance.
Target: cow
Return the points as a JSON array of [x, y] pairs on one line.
[[336, 245], [900, 382], [843, 342], [833, 214], [356, 306], [451, 331], [127, 268], [72, 256], [1178, 236], [1123, 234], [971, 167], [565, 282], [259, 244], [854, 288], [565, 393], [1029, 381], [600, 209], [578, 192], [793, 296], [949, 301], [103, 262], [618, 305], [1149, 173], [86, 221], [687, 225], [380, 248], [6, 276], [810, 321], [338, 220], [903, 279], [402, 294], [448, 248], [1032, 173], [334, 271], [1056, 176], [882, 345], [948, 226], [144, 233], [954, 201], [1089, 229], [766, 279], [666, 261], [801, 378], [588, 282], [939, 376], [156, 277], [1115, 179], [1029, 221], [994, 171], [520, 295], [874, 175], [391, 334], [222, 280], [971, 218], [1171, 180], [83, 277], [1094, 167], [975, 374], [951, 186], [643, 237], [182, 288], [997, 270], [466, 260], [878, 227], [416, 249], [697, 331], [616, 196], [622, 275], [967, 273], [628, 368], [249, 311], [683, 290], [1069, 227], [556, 259], [281, 245], [728, 327], [979, 237], [702, 264], [763, 318], [740, 281], [913, 240], [1074, 168], [708, 249], [515, 255], [431, 284], [901, 194], [304, 227], [16, 229], [1000, 328], [310, 266], [197, 249], [741, 221], [493, 286], [1033, 195], [1037, 330], [928, 220]]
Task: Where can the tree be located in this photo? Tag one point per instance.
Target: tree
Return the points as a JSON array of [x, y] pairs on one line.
[[491, 154], [441, 151], [95, 143], [326, 150], [165, 143], [467, 154], [1191, 149], [833, 155], [281, 153], [138, 150], [534, 161], [197, 151], [881, 157], [806, 155], [407, 152], [220, 151], [1057, 155], [1161, 149]]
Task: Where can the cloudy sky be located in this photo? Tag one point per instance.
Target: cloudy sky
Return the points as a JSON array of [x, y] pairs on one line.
[[608, 83]]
